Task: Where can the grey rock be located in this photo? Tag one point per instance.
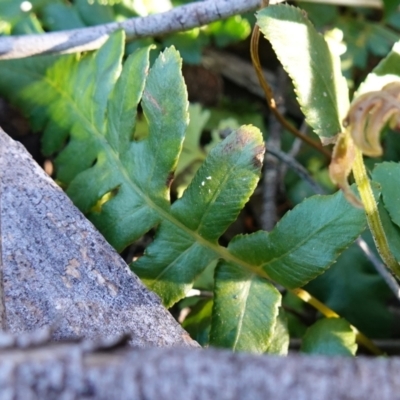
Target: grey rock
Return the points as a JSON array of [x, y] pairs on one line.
[[68, 371], [58, 271]]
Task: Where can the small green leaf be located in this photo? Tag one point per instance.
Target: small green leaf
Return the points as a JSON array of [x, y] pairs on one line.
[[320, 87], [387, 71], [245, 310], [305, 242], [230, 30], [388, 175], [330, 337]]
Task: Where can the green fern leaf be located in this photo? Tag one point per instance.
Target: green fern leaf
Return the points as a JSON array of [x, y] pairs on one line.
[[87, 105]]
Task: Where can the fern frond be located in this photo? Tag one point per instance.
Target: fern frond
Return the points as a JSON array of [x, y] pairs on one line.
[[87, 105]]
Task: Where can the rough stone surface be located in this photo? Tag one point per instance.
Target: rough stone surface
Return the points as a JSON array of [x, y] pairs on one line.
[[57, 270], [71, 371]]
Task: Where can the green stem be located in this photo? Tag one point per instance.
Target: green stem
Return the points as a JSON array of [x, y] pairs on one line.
[[372, 213]]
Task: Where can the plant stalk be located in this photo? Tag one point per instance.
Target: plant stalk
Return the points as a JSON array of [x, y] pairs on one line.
[[372, 213]]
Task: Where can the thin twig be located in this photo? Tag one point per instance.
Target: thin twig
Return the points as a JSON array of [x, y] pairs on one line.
[[178, 19], [270, 185], [297, 168], [296, 145], [294, 150], [385, 274]]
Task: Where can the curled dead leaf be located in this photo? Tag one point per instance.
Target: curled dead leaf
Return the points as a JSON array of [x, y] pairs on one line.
[[369, 113], [341, 164]]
